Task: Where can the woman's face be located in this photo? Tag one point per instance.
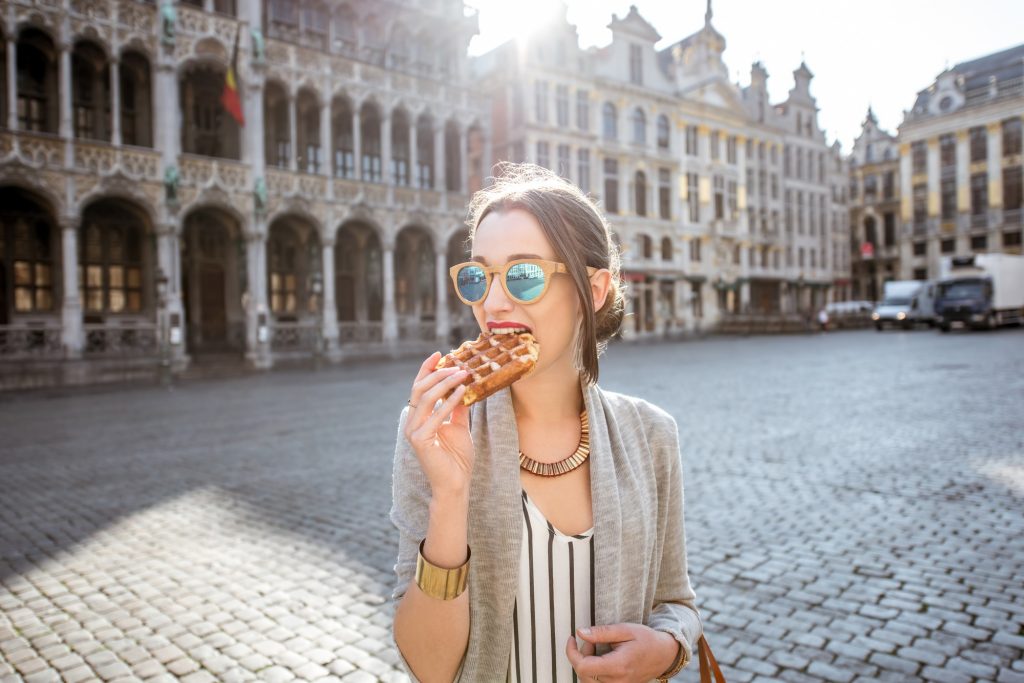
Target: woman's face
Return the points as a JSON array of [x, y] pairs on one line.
[[503, 237]]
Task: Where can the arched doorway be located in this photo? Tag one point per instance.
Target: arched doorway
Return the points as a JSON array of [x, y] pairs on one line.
[[213, 281], [29, 257], [359, 284], [415, 278], [294, 283]]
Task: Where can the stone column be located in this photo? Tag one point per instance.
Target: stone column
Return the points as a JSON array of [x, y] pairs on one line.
[[390, 317], [995, 176], [167, 116], [414, 157], [385, 149], [906, 185], [443, 322], [254, 153], [440, 176], [115, 101], [329, 320], [72, 338], [293, 140], [326, 154], [488, 160], [257, 313], [64, 89], [172, 314], [963, 180], [357, 142], [12, 84]]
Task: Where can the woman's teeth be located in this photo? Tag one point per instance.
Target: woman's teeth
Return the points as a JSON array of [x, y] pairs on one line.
[[510, 330]]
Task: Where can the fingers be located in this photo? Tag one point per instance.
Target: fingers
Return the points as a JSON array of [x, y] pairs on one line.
[[439, 415], [428, 366], [609, 633], [425, 403], [421, 405], [583, 663]]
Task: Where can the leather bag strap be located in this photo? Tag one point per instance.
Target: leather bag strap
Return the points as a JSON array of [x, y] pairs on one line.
[[708, 663]]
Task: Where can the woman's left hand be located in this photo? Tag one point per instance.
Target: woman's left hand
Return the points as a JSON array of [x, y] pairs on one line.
[[639, 653]]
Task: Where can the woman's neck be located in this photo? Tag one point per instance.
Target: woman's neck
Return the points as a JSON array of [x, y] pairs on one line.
[[549, 397]]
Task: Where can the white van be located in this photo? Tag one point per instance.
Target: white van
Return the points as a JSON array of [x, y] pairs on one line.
[[906, 303]]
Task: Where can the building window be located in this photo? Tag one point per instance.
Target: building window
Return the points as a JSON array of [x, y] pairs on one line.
[[110, 271], [918, 157], [564, 161], [691, 141], [695, 250], [665, 193], [583, 169], [889, 228], [920, 205], [789, 211], [283, 250], [730, 149], [453, 157], [948, 191], [611, 185], [979, 194], [90, 92], [696, 300], [888, 185], [1012, 188], [715, 151], [646, 248], [36, 82], [136, 108], [800, 257], [369, 124], [947, 152], [666, 248], [1011, 238], [920, 273], [543, 156], [979, 143], [663, 132], [731, 201], [787, 165], [814, 256], [920, 248], [948, 246], [609, 118], [800, 211], [799, 162], [979, 242], [540, 95], [562, 105], [27, 237], [636, 64], [775, 186], [693, 197], [719, 183], [1011, 137], [344, 143], [870, 187], [640, 193], [424, 152], [639, 127], [583, 109]]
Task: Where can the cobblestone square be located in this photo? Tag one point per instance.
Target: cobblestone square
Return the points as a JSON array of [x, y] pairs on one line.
[[853, 505]]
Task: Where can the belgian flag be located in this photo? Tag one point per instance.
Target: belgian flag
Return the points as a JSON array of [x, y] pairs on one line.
[[229, 98]]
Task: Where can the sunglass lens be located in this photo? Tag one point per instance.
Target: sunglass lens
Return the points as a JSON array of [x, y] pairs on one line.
[[472, 283], [525, 281]]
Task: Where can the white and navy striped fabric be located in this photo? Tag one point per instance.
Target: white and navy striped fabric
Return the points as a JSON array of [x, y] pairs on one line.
[[554, 598]]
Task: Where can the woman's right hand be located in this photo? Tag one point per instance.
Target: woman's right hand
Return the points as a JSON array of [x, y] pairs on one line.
[[443, 448]]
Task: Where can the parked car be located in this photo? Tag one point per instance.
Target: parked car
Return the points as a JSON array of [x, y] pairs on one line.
[[849, 314], [906, 303]]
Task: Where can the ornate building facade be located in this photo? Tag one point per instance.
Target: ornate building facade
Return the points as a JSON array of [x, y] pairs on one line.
[[723, 203], [139, 220], [959, 177]]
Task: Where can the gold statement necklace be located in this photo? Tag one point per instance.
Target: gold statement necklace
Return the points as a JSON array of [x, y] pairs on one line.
[[553, 469]]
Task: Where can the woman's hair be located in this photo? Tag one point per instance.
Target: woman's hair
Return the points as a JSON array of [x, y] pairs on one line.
[[580, 236]]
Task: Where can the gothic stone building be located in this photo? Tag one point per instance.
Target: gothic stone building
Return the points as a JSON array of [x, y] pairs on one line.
[[140, 221]]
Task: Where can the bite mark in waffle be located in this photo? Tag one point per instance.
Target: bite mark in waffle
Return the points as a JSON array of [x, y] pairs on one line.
[[494, 361]]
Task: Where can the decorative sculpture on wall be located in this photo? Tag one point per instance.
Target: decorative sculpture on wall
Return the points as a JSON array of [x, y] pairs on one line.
[[171, 180], [169, 18], [260, 194], [258, 48]]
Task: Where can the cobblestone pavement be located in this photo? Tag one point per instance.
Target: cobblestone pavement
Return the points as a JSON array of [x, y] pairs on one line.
[[855, 511]]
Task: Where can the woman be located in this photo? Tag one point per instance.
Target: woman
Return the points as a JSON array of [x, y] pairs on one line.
[[600, 543]]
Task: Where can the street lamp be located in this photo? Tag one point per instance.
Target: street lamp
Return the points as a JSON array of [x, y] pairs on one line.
[[317, 286], [163, 328]]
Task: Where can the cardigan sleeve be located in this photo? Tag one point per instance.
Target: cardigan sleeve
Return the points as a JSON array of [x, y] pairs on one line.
[[410, 514], [674, 610]]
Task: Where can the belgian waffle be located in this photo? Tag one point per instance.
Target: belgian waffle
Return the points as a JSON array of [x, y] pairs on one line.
[[494, 361]]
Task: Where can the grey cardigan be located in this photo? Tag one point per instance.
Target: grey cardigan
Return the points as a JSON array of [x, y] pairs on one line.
[[636, 484]]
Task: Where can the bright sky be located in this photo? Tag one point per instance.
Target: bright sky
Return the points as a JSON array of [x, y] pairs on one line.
[[877, 52]]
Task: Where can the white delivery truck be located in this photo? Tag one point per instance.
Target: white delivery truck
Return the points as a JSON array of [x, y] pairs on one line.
[[983, 291], [905, 303]]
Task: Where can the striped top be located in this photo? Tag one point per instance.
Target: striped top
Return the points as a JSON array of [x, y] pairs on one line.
[[554, 597]]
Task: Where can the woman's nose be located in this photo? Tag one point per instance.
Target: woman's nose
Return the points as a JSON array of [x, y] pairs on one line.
[[497, 299]]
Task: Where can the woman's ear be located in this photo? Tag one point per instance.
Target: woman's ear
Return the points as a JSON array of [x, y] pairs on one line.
[[600, 286]]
